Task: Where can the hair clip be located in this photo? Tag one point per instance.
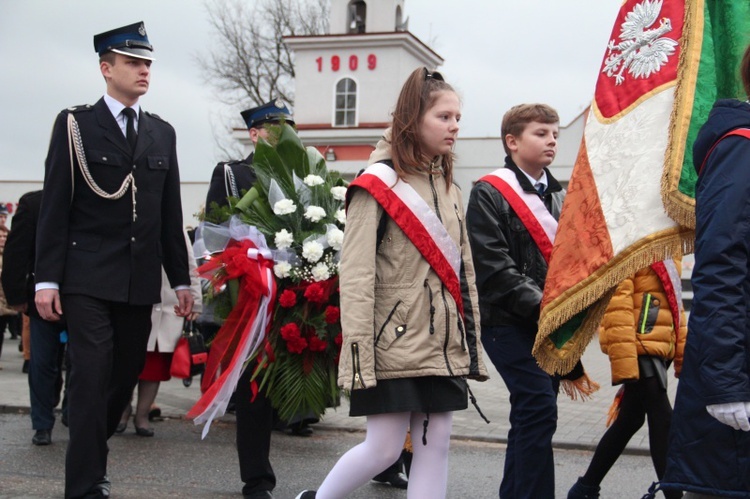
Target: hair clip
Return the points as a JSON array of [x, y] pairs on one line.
[[434, 75]]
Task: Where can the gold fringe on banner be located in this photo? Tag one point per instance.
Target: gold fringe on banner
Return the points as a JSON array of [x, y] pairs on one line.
[[681, 207], [594, 293]]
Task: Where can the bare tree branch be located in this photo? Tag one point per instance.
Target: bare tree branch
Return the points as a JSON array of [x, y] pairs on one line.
[[248, 63]]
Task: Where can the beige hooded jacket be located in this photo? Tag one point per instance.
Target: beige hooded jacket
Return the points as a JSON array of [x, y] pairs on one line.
[[398, 319]]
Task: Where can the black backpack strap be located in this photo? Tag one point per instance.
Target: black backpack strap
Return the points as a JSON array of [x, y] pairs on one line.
[[383, 219]]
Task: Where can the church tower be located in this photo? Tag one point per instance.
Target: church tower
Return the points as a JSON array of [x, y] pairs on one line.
[[348, 80]]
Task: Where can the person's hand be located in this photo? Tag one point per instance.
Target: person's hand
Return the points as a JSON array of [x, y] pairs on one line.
[[734, 414], [20, 308], [194, 315], [48, 304], [184, 305]]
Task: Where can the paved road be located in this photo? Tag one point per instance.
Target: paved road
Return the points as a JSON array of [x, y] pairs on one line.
[[177, 463]]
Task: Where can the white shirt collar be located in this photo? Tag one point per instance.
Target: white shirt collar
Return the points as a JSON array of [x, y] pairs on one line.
[[534, 182], [116, 107]]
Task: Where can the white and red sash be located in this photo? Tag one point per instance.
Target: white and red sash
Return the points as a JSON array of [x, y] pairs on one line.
[[671, 281], [418, 221], [529, 207]]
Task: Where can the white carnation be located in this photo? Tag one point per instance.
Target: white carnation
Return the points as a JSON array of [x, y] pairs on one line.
[[284, 207], [339, 193], [312, 251], [335, 238], [284, 239], [341, 216], [320, 272], [282, 269], [315, 213], [313, 180]]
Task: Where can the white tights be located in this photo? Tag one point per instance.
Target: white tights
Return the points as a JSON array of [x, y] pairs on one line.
[[382, 446]]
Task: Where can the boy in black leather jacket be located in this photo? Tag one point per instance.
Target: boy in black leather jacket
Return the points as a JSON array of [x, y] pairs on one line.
[[512, 218]]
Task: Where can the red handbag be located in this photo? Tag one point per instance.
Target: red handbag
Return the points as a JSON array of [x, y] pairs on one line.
[[190, 355]]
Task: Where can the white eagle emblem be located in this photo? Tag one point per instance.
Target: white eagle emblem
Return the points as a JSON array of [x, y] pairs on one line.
[[641, 51]]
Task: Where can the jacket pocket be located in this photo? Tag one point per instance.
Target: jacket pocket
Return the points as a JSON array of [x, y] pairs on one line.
[[104, 158], [649, 314], [400, 329], [158, 163], [391, 316], [84, 242]]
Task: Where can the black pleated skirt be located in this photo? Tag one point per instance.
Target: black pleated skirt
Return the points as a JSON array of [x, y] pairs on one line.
[[429, 394]]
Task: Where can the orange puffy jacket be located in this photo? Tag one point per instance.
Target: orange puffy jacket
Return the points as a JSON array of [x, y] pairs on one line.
[[629, 330]]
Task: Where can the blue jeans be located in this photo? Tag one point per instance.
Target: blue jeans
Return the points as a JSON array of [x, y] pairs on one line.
[[45, 374], [529, 464]]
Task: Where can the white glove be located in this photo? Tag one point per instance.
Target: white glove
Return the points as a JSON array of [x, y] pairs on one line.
[[734, 414]]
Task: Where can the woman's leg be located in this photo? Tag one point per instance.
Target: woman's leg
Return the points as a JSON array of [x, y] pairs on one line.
[[147, 391], [429, 467], [613, 442], [382, 445], [659, 414]]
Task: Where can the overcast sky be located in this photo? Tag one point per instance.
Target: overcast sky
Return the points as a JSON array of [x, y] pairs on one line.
[[497, 53]]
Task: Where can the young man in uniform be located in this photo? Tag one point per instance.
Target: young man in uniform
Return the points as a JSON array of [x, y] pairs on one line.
[[111, 215]]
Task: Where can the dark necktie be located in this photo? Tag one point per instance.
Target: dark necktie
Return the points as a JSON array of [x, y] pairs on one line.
[[540, 189], [130, 133]]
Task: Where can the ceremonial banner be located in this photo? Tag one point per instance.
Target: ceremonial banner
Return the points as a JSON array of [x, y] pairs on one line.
[[630, 200]]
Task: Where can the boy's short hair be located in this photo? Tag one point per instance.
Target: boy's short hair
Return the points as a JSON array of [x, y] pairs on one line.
[[517, 117]]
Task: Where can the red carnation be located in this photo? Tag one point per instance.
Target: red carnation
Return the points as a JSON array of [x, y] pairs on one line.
[[332, 314], [314, 293], [339, 339], [316, 344], [296, 345], [288, 298], [290, 331]]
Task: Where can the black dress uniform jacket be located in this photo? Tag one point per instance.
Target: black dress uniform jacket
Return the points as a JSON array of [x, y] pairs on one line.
[[19, 254], [92, 246], [240, 177]]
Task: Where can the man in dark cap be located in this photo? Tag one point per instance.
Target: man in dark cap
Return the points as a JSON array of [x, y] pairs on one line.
[[233, 177], [255, 419], [111, 216]]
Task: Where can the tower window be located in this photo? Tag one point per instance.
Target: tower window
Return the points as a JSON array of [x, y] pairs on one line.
[[346, 102], [357, 16]]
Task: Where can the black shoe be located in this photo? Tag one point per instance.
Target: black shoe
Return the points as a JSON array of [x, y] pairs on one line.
[[580, 490], [301, 430], [154, 414], [258, 494], [394, 478], [123, 424], [42, 437], [306, 494], [144, 432], [102, 488], [186, 382]]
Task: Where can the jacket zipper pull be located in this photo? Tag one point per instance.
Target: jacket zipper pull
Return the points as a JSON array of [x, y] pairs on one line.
[[356, 367]]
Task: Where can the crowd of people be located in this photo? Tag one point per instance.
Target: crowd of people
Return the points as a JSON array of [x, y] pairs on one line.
[[100, 264]]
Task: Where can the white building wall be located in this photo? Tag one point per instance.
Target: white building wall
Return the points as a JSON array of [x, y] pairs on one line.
[[383, 63]]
